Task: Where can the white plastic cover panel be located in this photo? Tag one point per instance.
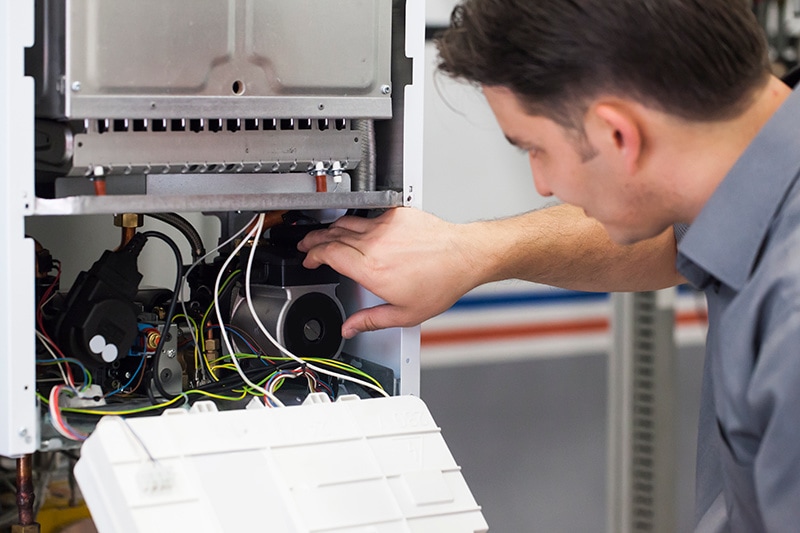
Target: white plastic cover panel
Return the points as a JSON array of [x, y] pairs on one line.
[[377, 466]]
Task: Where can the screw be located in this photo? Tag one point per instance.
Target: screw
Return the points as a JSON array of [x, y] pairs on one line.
[[170, 353], [312, 330], [385, 89], [76, 86], [23, 432]]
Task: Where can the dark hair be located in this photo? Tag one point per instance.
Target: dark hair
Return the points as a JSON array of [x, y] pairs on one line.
[[697, 59]]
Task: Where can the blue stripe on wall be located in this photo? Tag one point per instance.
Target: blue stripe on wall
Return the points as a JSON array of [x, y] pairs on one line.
[[501, 300], [554, 296]]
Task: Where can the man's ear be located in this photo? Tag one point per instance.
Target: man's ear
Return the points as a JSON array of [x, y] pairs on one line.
[[616, 128]]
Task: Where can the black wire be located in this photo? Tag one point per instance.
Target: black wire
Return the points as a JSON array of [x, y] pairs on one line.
[[186, 228], [170, 312], [254, 374], [225, 297]]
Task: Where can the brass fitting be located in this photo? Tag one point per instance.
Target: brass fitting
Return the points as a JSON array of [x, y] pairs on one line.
[[129, 220]]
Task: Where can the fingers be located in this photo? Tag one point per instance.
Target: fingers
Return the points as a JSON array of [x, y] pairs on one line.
[[375, 318], [343, 257], [355, 224], [345, 226], [323, 236]]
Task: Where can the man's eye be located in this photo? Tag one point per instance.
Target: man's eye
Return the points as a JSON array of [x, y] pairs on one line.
[[524, 151]]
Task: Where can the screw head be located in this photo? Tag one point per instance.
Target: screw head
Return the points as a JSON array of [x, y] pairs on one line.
[[385, 89], [76, 86]]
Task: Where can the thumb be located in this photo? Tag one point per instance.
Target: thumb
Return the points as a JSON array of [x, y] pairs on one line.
[[372, 319]]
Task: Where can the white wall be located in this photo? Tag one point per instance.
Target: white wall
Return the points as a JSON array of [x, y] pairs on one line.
[[470, 171]]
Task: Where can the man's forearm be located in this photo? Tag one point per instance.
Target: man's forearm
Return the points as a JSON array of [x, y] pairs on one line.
[[562, 247]]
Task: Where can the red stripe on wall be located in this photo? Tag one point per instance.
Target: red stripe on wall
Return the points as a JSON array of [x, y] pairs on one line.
[[539, 329]]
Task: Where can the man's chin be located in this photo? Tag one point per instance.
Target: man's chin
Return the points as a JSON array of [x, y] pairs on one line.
[[622, 236]]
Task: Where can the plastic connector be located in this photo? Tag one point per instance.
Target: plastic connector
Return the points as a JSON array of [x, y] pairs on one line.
[[317, 398], [154, 477], [336, 172], [91, 397]]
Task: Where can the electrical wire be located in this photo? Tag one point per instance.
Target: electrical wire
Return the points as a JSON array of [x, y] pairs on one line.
[[200, 261], [272, 339], [145, 409], [55, 356], [186, 229], [58, 421], [238, 333], [340, 365], [194, 333], [238, 393], [222, 289], [170, 311], [254, 234], [139, 372], [49, 293], [87, 377]]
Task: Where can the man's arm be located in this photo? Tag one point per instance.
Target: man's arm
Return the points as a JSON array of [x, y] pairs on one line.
[[421, 265]]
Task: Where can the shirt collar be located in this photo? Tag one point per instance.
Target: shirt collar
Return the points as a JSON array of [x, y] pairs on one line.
[[723, 242]]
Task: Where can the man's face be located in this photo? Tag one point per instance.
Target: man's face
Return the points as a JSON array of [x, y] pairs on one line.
[[579, 173]]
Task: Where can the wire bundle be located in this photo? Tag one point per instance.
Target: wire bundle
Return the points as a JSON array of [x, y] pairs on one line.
[[58, 421], [235, 385]]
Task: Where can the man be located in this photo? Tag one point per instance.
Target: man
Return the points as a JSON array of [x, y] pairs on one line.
[[648, 116]]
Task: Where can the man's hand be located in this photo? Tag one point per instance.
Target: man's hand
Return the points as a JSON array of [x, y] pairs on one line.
[[418, 263]]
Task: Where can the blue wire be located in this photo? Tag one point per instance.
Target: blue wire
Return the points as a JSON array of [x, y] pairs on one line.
[[67, 360], [250, 346], [139, 369]]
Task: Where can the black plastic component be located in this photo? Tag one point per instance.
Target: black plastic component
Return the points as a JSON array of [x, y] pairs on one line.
[[152, 297], [100, 303], [384, 375], [313, 326], [280, 263]]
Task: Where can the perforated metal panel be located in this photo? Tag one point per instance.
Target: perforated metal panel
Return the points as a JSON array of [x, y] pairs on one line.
[[641, 486]]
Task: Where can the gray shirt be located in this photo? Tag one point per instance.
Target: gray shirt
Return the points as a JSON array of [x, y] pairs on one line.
[[743, 251]]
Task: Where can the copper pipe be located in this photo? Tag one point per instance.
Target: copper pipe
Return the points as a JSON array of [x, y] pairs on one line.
[[271, 218], [99, 186], [25, 495], [127, 235], [322, 182]]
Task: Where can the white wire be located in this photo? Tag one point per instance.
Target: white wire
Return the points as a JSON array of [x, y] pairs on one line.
[[285, 351], [251, 307], [199, 261], [46, 342], [54, 417], [254, 234]]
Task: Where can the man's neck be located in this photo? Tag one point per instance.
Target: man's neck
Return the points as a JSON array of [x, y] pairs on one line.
[[708, 151]]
